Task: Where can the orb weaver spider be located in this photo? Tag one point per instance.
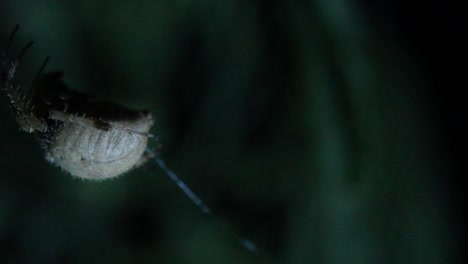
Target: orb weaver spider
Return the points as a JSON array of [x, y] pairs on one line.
[[86, 137]]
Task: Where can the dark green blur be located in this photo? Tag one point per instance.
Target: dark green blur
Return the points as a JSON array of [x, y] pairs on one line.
[[303, 124]]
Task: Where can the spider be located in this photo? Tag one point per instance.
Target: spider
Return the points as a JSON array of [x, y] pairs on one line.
[[86, 137]]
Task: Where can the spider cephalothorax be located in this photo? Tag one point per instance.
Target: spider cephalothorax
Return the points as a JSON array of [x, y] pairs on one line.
[[89, 138]]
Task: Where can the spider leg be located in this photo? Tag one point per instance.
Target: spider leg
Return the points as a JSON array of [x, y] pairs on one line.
[[20, 104], [10, 39], [11, 69]]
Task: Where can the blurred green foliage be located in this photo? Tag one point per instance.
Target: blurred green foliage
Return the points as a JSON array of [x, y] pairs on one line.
[[300, 122]]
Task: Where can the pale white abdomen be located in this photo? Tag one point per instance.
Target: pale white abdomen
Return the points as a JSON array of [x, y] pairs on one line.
[[92, 153]]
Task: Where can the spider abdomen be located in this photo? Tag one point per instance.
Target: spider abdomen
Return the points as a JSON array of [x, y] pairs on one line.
[[93, 153]]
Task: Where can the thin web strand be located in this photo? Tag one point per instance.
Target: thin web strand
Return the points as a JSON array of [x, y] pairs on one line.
[[192, 196], [247, 244]]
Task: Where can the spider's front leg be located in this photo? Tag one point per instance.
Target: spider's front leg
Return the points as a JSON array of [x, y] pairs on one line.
[[23, 110], [29, 122]]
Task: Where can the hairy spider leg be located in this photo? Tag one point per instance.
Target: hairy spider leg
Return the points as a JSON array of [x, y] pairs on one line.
[[41, 69], [247, 244], [23, 51], [10, 40], [12, 68], [23, 112]]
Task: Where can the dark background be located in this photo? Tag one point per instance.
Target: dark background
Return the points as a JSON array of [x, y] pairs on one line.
[[324, 131]]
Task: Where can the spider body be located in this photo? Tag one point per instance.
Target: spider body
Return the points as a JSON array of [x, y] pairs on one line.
[[88, 138]]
